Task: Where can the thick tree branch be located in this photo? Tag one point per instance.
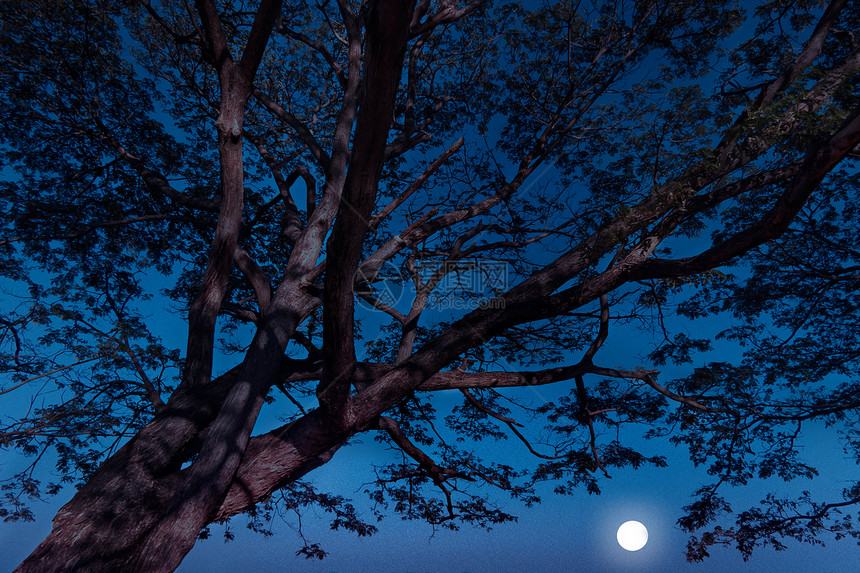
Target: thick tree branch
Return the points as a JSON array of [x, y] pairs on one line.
[[264, 21], [387, 25], [216, 42], [448, 12], [819, 161], [287, 453], [211, 474], [811, 51]]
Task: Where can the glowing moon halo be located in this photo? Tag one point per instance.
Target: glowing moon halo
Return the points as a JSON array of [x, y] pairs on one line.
[[632, 535]]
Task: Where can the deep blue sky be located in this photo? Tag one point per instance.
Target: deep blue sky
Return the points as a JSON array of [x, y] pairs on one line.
[[575, 533], [572, 533], [564, 533]]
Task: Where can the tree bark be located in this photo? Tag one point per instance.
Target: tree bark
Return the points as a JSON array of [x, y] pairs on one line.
[[387, 33], [140, 512]]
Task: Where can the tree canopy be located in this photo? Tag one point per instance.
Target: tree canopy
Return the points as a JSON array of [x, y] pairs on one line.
[[361, 209]]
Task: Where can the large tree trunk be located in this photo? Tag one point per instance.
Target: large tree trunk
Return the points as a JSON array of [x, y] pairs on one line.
[[111, 513], [138, 512], [108, 519]]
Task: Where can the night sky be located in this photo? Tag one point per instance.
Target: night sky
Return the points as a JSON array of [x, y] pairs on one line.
[[563, 533], [572, 533]]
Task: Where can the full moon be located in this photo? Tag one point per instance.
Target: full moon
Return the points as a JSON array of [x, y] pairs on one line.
[[632, 535]]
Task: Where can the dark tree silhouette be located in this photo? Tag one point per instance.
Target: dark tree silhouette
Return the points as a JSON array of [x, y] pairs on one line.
[[360, 205]]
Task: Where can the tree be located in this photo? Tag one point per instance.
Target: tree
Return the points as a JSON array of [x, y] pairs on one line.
[[284, 166]]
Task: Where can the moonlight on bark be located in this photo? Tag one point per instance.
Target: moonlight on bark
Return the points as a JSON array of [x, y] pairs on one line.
[[391, 222]]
